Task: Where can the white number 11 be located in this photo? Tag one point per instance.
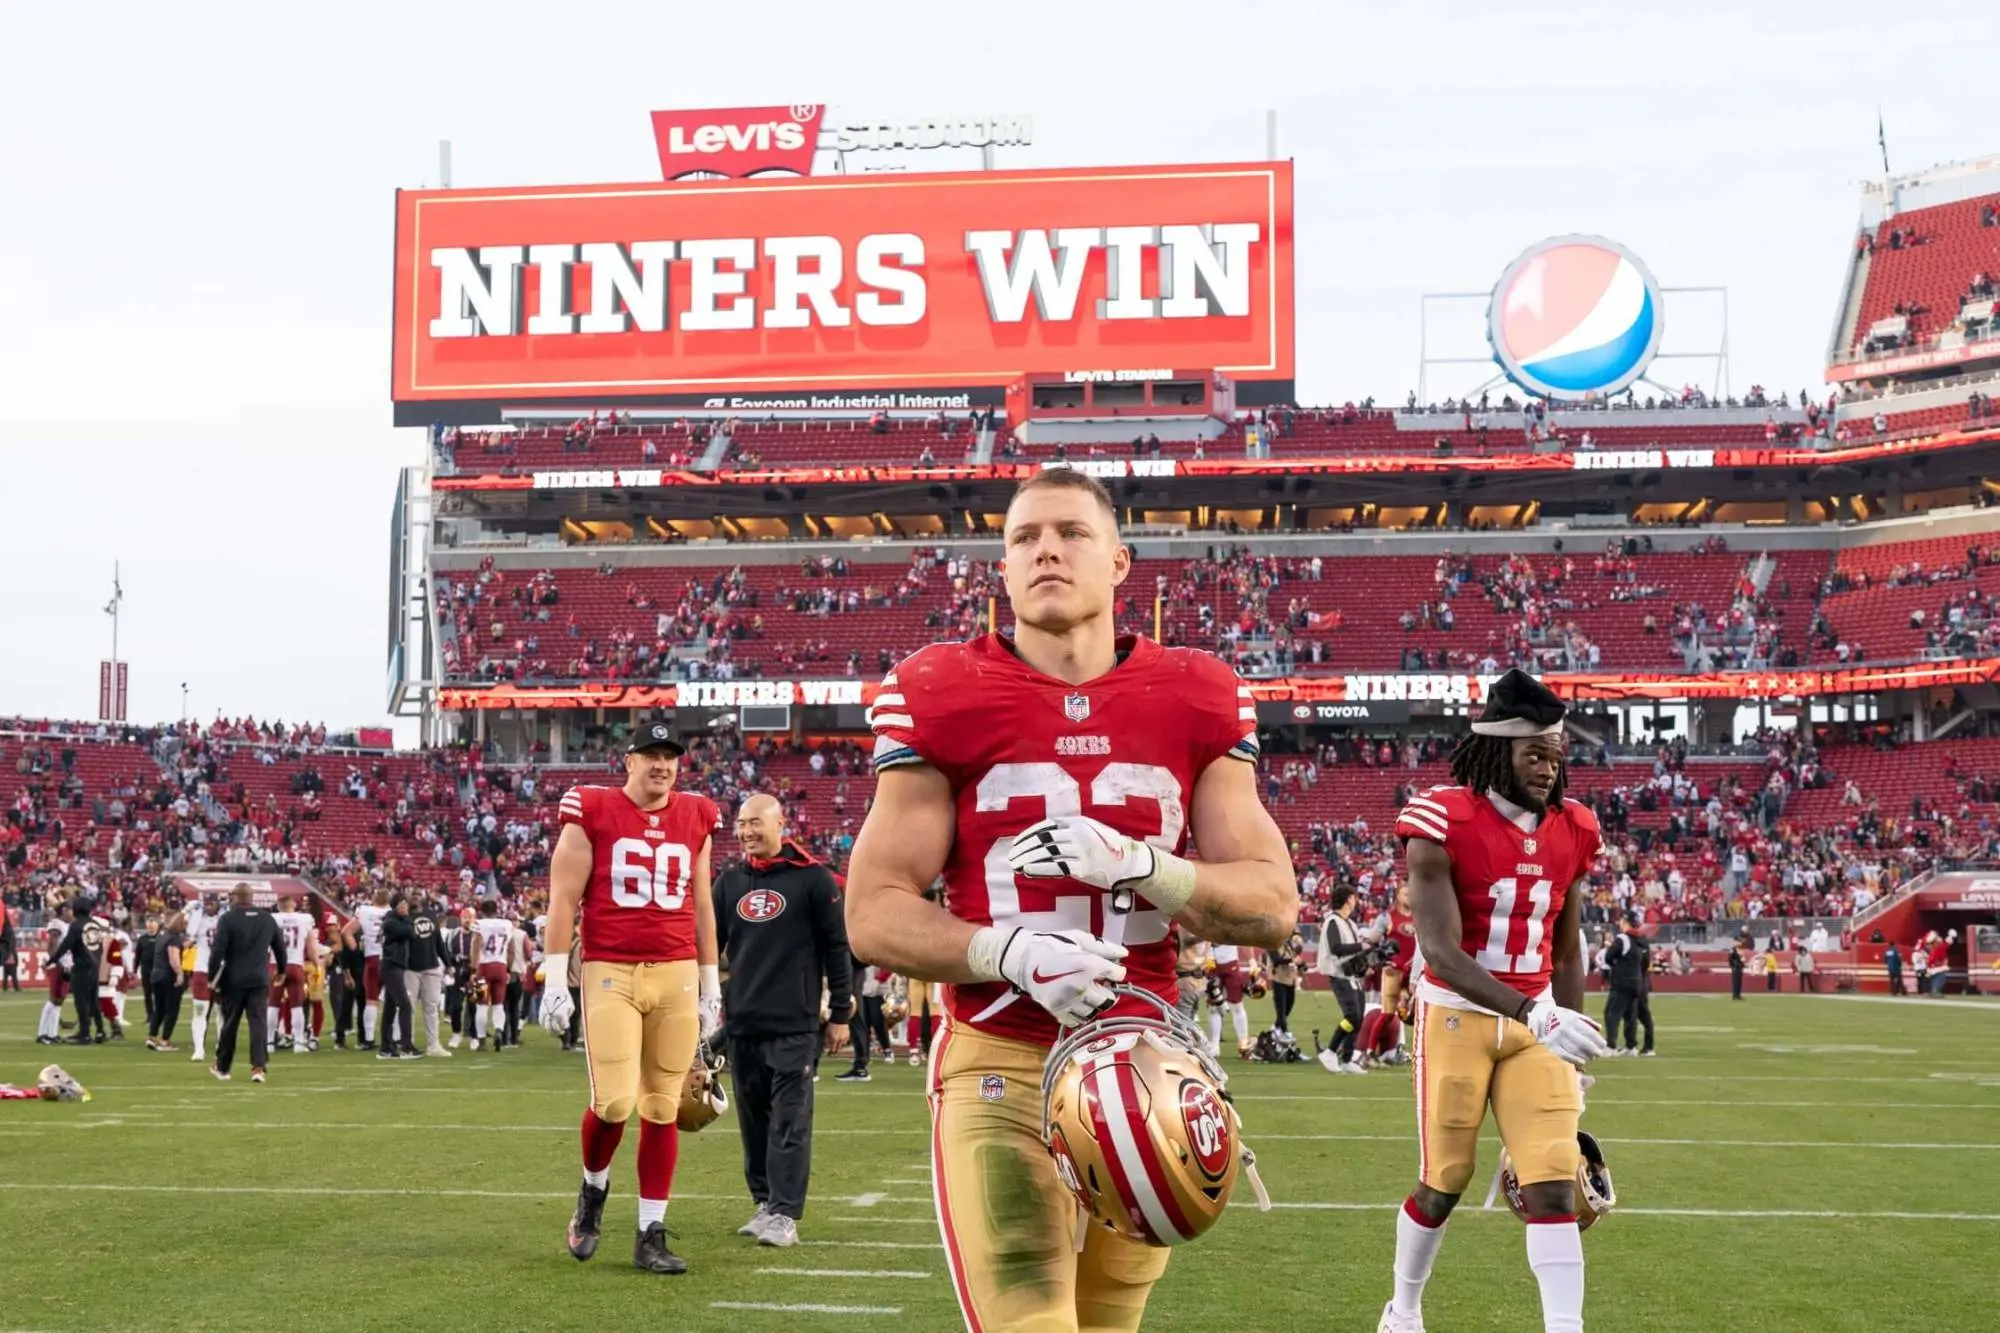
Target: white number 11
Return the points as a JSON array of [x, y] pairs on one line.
[[1506, 897]]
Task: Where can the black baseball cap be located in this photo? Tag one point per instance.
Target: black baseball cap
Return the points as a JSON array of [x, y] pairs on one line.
[[655, 736]]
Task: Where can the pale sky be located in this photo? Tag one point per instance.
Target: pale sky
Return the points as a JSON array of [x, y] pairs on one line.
[[197, 225]]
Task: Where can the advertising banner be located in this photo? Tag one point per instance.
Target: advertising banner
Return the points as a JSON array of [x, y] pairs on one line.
[[670, 292]]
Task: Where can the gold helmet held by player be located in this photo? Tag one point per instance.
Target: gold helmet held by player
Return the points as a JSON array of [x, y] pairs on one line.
[[703, 1098], [1138, 1118], [1594, 1194]]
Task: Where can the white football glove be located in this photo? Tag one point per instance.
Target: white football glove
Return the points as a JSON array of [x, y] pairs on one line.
[[557, 1007], [709, 1007], [1079, 848], [1572, 1035], [1069, 973]]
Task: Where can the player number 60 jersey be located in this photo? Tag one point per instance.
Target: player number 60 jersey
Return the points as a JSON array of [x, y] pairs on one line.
[[1511, 884], [639, 904]]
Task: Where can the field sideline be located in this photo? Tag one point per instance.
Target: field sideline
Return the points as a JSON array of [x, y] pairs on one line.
[[1788, 1163]]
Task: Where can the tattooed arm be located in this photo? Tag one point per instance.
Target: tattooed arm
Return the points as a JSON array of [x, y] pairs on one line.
[[1245, 891]]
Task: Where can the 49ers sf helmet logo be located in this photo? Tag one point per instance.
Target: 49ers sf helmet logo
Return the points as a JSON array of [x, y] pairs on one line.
[[1207, 1127], [759, 905]]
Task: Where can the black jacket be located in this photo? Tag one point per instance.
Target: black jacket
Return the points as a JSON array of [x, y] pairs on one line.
[[83, 946], [1629, 960], [398, 932], [426, 945], [783, 930], [245, 941]]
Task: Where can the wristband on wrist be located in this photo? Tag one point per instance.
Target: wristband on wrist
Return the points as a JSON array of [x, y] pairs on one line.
[[1171, 884], [984, 951], [711, 980]]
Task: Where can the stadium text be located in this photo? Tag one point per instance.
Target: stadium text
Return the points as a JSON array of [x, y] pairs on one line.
[[752, 693], [1200, 271], [1621, 460], [1121, 467], [1438, 689], [927, 133], [1115, 376]]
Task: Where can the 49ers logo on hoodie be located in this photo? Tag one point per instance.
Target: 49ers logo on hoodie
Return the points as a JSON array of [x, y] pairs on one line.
[[760, 905]]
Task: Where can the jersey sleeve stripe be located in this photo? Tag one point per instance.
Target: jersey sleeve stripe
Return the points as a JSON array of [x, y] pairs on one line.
[[893, 720], [890, 753], [889, 681], [1423, 824], [1246, 715], [1247, 748], [887, 700], [1425, 803]]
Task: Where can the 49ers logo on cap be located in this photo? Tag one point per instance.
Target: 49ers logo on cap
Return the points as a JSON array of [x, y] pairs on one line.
[[760, 905], [737, 141], [1207, 1127]]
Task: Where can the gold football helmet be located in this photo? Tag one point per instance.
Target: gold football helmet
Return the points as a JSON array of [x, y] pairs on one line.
[[1138, 1118], [703, 1098], [1594, 1195]]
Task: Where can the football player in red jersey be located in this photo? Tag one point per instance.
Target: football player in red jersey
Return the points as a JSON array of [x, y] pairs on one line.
[[636, 861], [1497, 871], [1053, 777]]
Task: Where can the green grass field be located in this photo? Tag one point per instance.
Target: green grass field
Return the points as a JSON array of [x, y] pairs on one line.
[[1788, 1163]]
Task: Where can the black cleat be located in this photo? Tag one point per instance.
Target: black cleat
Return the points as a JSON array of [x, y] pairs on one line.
[[583, 1227], [650, 1252]]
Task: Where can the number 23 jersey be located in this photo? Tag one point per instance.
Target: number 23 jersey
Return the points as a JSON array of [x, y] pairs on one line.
[[638, 906], [1125, 749], [1511, 884]]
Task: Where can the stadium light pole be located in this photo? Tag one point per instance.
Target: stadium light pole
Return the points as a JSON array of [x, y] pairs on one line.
[[111, 609]]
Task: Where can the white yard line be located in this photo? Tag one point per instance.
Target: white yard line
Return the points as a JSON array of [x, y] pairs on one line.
[[906, 1273], [805, 1309], [1660, 1143], [316, 1191], [1806, 1213], [877, 1244]]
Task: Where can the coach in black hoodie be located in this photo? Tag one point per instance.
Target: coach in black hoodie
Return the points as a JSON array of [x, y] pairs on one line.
[[779, 922]]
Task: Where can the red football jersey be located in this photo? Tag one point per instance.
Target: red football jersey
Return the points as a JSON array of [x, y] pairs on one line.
[[1403, 930], [1511, 883], [639, 904], [1125, 749]]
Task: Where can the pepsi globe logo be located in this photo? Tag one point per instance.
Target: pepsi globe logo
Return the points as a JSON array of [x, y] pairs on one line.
[[759, 905], [1208, 1130], [1575, 317]]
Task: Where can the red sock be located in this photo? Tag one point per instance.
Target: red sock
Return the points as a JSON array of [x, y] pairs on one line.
[[318, 1017], [659, 1150], [600, 1140], [1392, 1033], [1365, 1044]]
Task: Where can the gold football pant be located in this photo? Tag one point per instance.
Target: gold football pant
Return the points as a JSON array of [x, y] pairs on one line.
[[640, 1027], [1009, 1225], [1466, 1061]]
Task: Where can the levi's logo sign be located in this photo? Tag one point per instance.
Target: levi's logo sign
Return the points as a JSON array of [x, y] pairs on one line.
[[737, 141]]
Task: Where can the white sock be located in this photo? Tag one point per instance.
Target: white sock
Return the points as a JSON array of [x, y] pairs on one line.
[[1214, 1027], [497, 1020], [300, 1032], [655, 1210], [271, 1021], [118, 1005], [1555, 1252], [598, 1179], [1416, 1250], [200, 1024], [367, 1025], [1239, 1016], [51, 1021]]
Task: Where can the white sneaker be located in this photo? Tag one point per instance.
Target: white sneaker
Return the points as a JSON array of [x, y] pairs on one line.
[[1330, 1062], [755, 1226], [1356, 1067], [199, 1054], [780, 1232], [456, 1040], [916, 1057], [437, 1052], [1399, 1323]]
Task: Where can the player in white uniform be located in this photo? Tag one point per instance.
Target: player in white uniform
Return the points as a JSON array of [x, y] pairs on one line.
[[370, 916], [1228, 960], [491, 936], [301, 949], [202, 921], [53, 972]]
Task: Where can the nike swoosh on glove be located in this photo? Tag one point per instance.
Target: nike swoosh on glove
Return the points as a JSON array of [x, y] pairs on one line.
[[1069, 972], [1572, 1035], [557, 1010], [1080, 848]]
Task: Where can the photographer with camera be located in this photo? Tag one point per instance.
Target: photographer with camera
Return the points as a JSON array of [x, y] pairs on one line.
[[1344, 958]]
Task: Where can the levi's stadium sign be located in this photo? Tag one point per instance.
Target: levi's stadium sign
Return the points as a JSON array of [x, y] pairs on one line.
[[781, 140], [672, 292]]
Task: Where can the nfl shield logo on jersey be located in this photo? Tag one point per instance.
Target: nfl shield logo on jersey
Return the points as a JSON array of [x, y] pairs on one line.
[[1528, 846], [654, 820], [1076, 707]]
